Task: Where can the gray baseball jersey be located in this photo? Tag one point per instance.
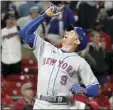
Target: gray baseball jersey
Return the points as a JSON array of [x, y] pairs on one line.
[[58, 71]]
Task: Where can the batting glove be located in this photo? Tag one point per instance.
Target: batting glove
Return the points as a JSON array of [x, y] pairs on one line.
[[76, 89], [53, 10]]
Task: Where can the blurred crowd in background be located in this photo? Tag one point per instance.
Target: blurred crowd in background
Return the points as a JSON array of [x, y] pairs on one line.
[[19, 66]]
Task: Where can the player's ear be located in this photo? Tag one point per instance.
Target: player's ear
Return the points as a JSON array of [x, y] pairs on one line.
[[77, 41]]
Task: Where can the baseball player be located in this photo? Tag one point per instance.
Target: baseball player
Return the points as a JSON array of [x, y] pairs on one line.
[[61, 71]]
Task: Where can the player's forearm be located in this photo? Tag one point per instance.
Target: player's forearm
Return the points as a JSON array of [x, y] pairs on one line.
[[27, 33], [92, 91]]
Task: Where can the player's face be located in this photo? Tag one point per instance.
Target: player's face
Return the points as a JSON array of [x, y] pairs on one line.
[[69, 38]]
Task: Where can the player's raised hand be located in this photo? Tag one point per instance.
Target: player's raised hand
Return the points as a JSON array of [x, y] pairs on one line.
[[54, 10]]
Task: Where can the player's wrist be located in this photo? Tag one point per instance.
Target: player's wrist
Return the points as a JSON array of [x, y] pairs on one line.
[[52, 11], [48, 12], [84, 90], [44, 15]]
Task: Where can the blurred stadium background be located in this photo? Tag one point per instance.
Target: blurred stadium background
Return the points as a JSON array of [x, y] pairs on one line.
[[19, 65]]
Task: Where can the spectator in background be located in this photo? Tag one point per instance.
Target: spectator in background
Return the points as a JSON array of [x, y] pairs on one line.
[[18, 4], [106, 17], [107, 13], [33, 13], [7, 6], [55, 30], [87, 13], [28, 97], [68, 17], [44, 4], [107, 40], [24, 8], [11, 47], [105, 37], [96, 57]]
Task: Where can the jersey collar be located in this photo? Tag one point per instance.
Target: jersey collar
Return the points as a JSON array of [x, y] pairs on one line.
[[70, 53], [64, 51]]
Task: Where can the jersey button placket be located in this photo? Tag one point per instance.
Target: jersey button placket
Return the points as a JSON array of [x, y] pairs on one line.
[[51, 84]]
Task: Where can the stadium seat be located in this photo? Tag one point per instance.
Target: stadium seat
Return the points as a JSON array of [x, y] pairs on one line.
[[29, 62], [21, 78], [29, 66], [13, 92], [29, 70], [12, 88]]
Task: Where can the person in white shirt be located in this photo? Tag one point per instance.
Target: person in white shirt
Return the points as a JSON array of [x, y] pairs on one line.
[[11, 46]]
